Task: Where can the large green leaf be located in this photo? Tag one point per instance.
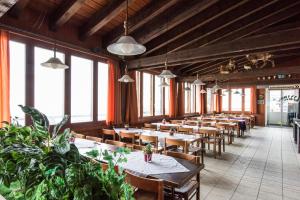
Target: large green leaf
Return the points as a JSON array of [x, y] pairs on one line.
[[61, 143], [58, 126]]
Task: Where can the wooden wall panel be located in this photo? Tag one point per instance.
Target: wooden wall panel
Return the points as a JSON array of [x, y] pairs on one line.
[[261, 110]]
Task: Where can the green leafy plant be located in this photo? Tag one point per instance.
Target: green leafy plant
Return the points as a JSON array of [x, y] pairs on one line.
[[39, 164], [148, 149]]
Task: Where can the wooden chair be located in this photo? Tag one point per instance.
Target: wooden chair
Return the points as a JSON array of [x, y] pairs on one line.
[[128, 138], [212, 137], [176, 121], [153, 140], [108, 133], [137, 147], [146, 188], [96, 139], [151, 127], [77, 135], [192, 123], [177, 143], [185, 130], [206, 124], [165, 128], [115, 143], [192, 188]]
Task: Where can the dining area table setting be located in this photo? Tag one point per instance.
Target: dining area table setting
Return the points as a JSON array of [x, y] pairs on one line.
[[175, 172]]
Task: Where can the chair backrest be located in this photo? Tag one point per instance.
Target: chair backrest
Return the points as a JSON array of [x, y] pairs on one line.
[[184, 156], [116, 143], [176, 121], [206, 123], [127, 135], [185, 130], [154, 186], [109, 132], [96, 139], [137, 147], [150, 126], [176, 142], [78, 135], [149, 139], [165, 128], [208, 132], [191, 123], [220, 126]]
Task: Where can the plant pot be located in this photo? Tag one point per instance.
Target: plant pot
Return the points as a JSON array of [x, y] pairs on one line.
[[148, 157]]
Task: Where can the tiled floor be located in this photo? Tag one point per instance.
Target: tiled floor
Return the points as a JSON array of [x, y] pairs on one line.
[[263, 165]]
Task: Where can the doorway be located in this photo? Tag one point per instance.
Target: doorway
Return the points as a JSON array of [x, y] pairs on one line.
[[282, 106]]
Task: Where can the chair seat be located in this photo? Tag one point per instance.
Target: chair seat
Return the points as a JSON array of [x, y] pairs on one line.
[[187, 188]]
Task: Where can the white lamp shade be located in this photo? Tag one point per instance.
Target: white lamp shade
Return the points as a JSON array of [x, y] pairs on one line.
[[216, 88], [198, 82], [187, 89], [126, 46], [126, 79], [164, 84], [236, 92], [54, 63], [166, 74]]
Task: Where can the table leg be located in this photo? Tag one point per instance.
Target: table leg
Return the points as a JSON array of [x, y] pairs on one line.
[[202, 150], [173, 193]]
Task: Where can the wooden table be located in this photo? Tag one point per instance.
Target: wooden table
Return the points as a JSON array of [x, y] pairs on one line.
[[172, 180]]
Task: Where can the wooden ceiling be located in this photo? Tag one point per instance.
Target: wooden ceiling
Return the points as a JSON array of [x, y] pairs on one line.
[[199, 35]]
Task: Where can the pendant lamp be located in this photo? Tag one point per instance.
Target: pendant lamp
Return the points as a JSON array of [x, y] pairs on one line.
[[236, 92], [126, 78], [166, 73], [198, 81], [202, 91], [126, 45], [216, 87], [164, 84], [54, 62]]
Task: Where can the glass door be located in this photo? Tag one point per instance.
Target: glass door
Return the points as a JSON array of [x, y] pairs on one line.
[[283, 106]]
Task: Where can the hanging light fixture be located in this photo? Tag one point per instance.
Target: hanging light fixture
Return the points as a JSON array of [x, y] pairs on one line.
[[166, 73], [126, 45], [202, 91], [164, 84], [54, 62], [236, 92], [187, 88], [216, 87], [126, 78], [198, 81]]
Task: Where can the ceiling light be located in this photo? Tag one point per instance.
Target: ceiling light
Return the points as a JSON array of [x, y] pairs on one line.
[[202, 91], [126, 78], [236, 92], [166, 73], [126, 45], [54, 62], [216, 87], [164, 84], [198, 81]]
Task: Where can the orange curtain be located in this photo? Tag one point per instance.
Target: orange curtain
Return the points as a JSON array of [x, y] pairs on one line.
[[4, 77], [253, 108], [131, 115], [202, 101], [218, 101], [172, 104], [113, 96], [180, 97]]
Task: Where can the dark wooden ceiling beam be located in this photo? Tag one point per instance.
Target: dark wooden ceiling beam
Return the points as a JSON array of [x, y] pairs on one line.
[[216, 18], [149, 12], [183, 12], [103, 17], [5, 5], [234, 48], [64, 12], [17, 9]]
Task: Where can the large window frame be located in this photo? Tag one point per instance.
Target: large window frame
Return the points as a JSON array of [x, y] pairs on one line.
[[30, 44], [151, 96]]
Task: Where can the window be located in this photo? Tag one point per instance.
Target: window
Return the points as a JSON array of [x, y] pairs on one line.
[[147, 94], [49, 84], [81, 89], [209, 100], [158, 96], [187, 98], [17, 80], [198, 98], [193, 93], [225, 100], [247, 99], [138, 93], [102, 90], [167, 97], [236, 100]]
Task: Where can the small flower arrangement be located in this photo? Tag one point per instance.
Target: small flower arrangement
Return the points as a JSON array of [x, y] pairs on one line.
[[172, 131], [148, 153]]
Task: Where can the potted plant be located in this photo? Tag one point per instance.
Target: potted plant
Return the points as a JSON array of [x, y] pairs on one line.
[[172, 131], [39, 164], [148, 153], [163, 121], [126, 126]]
